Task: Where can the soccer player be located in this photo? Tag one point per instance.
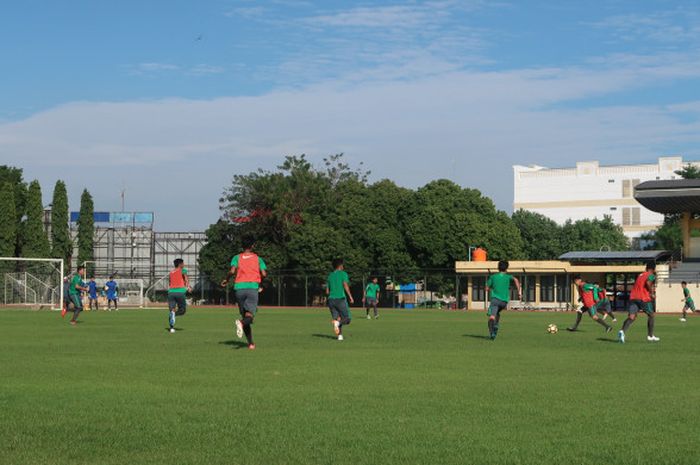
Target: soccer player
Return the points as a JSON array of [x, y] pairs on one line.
[[372, 297], [249, 270], [92, 294], [498, 285], [337, 286], [179, 285], [591, 298], [66, 296], [604, 304], [77, 286], [112, 293], [688, 300], [642, 298]]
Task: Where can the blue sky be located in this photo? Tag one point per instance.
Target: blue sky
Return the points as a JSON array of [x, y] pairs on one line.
[[163, 96]]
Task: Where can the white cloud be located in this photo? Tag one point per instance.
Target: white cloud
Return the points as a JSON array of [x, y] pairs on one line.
[[469, 126]]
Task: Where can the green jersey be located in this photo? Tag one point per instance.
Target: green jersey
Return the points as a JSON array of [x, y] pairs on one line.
[[499, 284], [335, 284], [76, 282], [686, 294], [372, 290]]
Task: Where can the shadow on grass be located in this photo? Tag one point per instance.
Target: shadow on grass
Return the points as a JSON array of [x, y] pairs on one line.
[[604, 339], [235, 344], [477, 336], [324, 336], [177, 330]]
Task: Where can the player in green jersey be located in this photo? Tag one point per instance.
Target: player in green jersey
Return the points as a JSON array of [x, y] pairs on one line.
[[688, 301], [338, 285], [372, 297], [498, 285]]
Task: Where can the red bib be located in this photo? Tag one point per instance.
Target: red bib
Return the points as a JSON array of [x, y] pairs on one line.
[[640, 291], [248, 270], [177, 280]]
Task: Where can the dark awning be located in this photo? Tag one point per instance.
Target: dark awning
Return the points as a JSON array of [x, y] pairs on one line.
[[673, 196], [614, 256]]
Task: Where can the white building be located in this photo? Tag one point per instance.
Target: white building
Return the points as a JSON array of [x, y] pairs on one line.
[[592, 191]]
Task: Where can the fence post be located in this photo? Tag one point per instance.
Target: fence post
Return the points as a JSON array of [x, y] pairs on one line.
[[279, 290], [306, 290]]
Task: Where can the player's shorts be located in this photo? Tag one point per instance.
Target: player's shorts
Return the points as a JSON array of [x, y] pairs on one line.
[[690, 305], [637, 305], [247, 301], [76, 301], [177, 299], [370, 302], [592, 310], [339, 309], [604, 306], [496, 306]]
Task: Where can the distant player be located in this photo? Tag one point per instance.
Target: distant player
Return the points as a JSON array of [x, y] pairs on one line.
[[592, 298], [178, 286], [249, 270], [112, 289], [498, 285], [337, 286], [688, 301], [372, 298], [77, 287], [92, 294], [604, 305], [642, 299]]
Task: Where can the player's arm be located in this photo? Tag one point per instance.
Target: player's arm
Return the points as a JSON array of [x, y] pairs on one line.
[[516, 281], [186, 279], [651, 287], [231, 273], [346, 286]]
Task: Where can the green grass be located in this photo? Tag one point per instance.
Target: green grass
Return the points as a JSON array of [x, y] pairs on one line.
[[422, 387]]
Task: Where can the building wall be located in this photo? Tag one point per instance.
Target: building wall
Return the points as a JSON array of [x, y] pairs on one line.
[[589, 190]]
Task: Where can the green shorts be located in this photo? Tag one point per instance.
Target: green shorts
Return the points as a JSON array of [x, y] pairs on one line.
[[77, 301], [592, 310], [637, 305], [690, 305]]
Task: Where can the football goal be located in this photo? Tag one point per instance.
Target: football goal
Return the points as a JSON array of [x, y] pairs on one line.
[[31, 282]]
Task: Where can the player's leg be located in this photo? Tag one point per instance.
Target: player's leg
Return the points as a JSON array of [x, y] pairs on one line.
[[181, 304], [491, 314], [368, 305], [240, 299], [335, 315], [376, 309], [497, 321], [172, 303], [77, 307], [249, 309], [634, 307], [651, 320], [344, 317], [579, 317], [593, 312]]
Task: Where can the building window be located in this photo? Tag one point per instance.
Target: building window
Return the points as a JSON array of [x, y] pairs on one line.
[[478, 289], [628, 186], [547, 288], [563, 289], [613, 208], [611, 181], [631, 216], [528, 283]]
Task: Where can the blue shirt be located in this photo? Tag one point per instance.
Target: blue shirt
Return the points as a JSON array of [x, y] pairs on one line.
[[111, 289], [92, 289]]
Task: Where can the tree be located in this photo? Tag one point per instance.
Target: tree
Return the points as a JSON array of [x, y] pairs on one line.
[[8, 228], [35, 243], [689, 172], [541, 235], [13, 176], [593, 234], [61, 244], [86, 229]]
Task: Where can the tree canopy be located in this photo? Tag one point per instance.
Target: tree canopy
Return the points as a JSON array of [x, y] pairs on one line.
[[86, 229], [35, 242], [61, 244]]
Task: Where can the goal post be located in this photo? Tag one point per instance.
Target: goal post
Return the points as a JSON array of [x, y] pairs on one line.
[[32, 281]]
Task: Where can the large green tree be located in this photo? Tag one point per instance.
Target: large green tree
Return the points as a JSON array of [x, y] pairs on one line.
[[13, 176], [61, 244], [35, 242], [541, 235], [593, 234], [8, 227], [86, 229]]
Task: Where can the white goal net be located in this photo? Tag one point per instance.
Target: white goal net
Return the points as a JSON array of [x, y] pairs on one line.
[[130, 291], [31, 282]]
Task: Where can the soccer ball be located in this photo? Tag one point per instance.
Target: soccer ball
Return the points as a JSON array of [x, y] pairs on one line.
[[552, 329]]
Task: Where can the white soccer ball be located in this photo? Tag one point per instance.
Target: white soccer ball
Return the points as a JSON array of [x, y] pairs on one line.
[[552, 329]]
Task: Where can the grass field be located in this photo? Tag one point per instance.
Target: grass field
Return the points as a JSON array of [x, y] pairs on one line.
[[423, 387]]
